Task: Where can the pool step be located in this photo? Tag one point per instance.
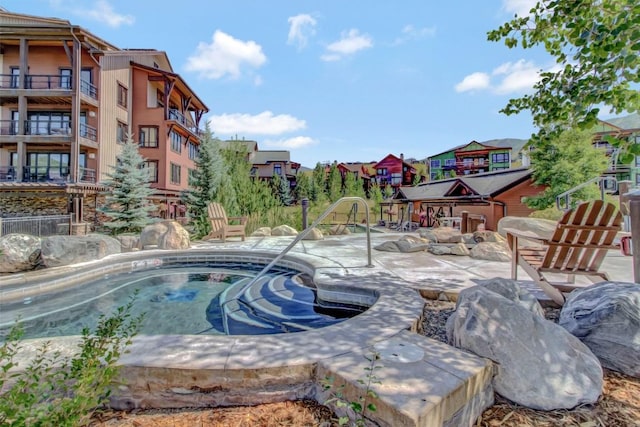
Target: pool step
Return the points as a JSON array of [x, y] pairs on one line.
[[273, 304]]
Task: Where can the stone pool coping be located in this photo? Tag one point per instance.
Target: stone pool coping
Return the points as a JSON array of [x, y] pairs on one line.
[[185, 370]]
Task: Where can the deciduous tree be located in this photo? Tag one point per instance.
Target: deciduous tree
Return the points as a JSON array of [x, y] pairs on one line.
[[596, 45]]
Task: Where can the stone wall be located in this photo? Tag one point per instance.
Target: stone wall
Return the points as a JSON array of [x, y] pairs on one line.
[[27, 203]]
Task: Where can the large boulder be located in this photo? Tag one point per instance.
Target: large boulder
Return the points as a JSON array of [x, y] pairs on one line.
[[491, 251], [165, 235], [284, 230], [262, 232], [538, 363], [442, 235], [405, 244], [66, 250], [314, 234], [19, 252], [511, 290], [539, 226], [606, 317]]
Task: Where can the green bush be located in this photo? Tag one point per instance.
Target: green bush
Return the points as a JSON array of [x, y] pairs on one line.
[[54, 390]]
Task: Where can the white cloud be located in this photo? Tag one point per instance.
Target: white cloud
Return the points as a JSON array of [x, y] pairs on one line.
[[409, 32], [510, 77], [225, 55], [301, 27], [264, 123], [350, 42], [518, 7], [103, 12], [475, 81], [518, 77], [291, 143]]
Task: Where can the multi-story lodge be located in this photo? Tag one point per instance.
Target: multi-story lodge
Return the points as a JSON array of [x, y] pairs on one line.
[[469, 159], [68, 100]]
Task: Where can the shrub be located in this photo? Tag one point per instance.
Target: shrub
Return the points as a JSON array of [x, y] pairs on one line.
[[54, 390]]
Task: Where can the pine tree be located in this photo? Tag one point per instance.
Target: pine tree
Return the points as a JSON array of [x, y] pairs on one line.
[[353, 186], [303, 186], [319, 183], [127, 203], [203, 183], [334, 183]]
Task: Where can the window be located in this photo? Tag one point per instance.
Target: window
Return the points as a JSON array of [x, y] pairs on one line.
[[638, 179], [193, 150], [122, 96], [500, 158], [449, 162], [15, 77], [467, 162], [435, 163], [152, 167], [381, 171], [160, 98], [176, 141], [638, 161], [148, 136], [277, 169], [121, 133], [396, 178], [175, 173], [65, 78]]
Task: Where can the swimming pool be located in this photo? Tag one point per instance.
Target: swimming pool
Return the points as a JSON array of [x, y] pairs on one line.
[[187, 300]]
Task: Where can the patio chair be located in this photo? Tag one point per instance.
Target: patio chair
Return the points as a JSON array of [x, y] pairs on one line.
[[578, 245], [221, 226]]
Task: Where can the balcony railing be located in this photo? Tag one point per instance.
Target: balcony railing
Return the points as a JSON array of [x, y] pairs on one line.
[[48, 127], [88, 89], [88, 132], [182, 119], [37, 82], [50, 174]]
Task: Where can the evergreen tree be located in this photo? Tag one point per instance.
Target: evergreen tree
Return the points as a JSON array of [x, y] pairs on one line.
[[303, 186], [127, 203], [319, 179], [334, 183], [353, 186], [281, 189], [202, 184]]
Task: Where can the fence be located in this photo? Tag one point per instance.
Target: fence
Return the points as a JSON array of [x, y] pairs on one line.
[[36, 225]]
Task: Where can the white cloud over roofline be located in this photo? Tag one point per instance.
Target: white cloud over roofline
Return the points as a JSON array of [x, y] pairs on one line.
[[103, 12], [507, 78], [291, 143]]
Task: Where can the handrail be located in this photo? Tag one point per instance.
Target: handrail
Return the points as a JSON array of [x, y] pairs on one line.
[[600, 180], [301, 236]]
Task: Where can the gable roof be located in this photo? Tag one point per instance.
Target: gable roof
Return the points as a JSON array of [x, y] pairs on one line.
[[487, 184]]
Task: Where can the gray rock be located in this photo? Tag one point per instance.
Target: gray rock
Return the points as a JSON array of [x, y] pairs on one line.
[[19, 252], [442, 235], [66, 250], [460, 249], [491, 251], [129, 243], [539, 226], [606, 317], [512, 290], [439, 249], [262, 232], [538, 363], [314, 234]]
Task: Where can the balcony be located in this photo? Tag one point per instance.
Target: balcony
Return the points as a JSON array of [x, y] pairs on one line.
[[51, 174], [46, 85], [182, 120], [47, 128]]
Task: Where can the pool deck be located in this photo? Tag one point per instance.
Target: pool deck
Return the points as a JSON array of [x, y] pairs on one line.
[[420, 381]]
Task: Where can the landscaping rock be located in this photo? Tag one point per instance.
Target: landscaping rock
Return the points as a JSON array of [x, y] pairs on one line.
[[442, 235], [606, 317], [19, 252], [165, 235], [314, 234], [66, 250], [538, 363], [539, 226], [491, 251], [262, 232], [129, 243], [284, 230], [512, 290]]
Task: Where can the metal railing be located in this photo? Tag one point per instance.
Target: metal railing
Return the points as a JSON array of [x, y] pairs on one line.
[[298, 238], [49, 225], [601, 181]]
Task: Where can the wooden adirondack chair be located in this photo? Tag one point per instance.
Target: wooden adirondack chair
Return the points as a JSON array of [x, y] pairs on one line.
[[578, 246], [221, 228]]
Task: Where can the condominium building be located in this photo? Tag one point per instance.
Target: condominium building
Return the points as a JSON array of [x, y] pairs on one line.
[[69, 100]]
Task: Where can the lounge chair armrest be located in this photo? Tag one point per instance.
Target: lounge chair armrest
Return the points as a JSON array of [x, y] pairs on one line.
[[528, 235], [241, 219]]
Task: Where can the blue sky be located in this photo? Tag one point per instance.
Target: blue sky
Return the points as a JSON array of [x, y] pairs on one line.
[[331, 80]]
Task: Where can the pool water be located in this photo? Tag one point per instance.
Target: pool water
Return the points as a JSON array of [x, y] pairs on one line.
[[184, 300]]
